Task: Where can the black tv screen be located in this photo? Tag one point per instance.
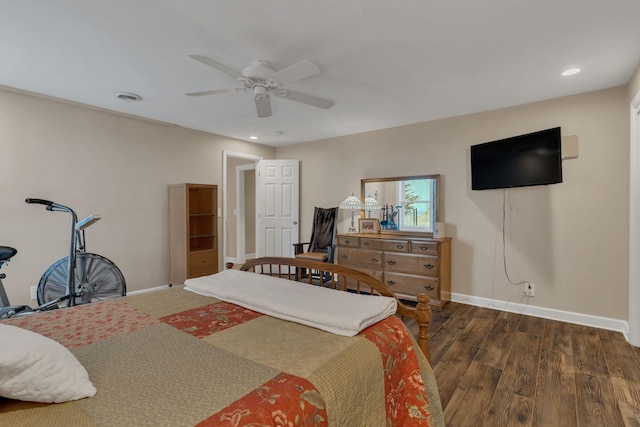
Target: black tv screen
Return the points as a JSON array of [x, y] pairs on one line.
[[519, 161]]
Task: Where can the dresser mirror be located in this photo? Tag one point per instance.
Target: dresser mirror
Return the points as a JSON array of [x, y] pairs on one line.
[[404, 205]]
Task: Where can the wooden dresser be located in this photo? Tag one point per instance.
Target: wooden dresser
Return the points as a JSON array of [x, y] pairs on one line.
[[409, 265]]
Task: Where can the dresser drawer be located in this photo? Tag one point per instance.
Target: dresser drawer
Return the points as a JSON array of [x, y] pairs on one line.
[[349, 241], [362, 260], [384, 245], [412, 285], [424, 248], [205, 270], [422, 265], [408, 264], [200, 259]]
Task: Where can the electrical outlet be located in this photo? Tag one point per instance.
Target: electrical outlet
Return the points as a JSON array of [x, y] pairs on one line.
[[529, 290], [34, 292]]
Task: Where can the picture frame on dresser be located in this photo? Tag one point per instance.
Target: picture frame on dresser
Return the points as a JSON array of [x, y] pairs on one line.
[[369, 225]]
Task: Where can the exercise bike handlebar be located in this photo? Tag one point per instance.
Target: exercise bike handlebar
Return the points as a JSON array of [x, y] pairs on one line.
[[40, 201], [52, 206]]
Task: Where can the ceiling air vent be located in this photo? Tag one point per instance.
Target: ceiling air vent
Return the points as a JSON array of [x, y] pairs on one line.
[[128, 96]]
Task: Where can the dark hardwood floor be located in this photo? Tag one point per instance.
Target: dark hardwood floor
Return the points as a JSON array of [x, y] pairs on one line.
[[497, 369]]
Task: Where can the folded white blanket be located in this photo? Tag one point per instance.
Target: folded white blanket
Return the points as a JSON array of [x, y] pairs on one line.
[[338, 312]]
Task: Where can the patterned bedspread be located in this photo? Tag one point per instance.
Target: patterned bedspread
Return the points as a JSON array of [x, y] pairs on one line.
[[174, 358]]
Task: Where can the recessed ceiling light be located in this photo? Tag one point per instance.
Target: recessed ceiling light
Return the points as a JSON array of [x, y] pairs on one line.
[[571, 72], [128, 96], [253, 137]]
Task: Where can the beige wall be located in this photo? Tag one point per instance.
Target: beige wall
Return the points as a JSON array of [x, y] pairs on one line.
[[571, 239], [102, 163]]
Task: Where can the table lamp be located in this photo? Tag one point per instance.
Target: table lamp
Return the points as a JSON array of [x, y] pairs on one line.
[[371, 204], [351, 203]]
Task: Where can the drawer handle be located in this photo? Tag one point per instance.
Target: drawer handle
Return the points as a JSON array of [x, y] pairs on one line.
[[424, 248], [343, 256], [391, 282], [374, 260], [365, 243], [399, 246], [429, 266], [429, 287], [348, 242], [203, 260], [391, 262]]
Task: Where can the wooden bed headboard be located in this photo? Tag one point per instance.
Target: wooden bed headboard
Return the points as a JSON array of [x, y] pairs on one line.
[[343, 278]]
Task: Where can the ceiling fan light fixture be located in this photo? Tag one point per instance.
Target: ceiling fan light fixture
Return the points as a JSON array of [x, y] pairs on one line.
[[259, 92]]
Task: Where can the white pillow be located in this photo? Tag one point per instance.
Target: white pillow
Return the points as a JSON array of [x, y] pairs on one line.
[[35, 368]]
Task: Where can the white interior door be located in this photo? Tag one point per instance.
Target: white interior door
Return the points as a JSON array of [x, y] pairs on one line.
[[278, 194]]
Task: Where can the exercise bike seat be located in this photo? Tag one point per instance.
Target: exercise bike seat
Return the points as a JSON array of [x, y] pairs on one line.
[[6, 253]]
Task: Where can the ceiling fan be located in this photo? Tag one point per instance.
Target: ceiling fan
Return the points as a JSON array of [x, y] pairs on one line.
[[262, 80]]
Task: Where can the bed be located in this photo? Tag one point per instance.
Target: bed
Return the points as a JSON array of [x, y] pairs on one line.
[[182, 357]]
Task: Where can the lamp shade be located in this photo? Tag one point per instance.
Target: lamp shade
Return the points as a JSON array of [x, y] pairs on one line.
[[351, 203], [371, 204]]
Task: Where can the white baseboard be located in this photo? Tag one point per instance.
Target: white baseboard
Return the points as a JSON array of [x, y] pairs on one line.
[[513, 307], [546, 313]]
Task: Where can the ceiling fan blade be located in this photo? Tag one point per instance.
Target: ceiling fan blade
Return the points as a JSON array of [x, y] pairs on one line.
[[263, 106], [215, 92], [218, 66], [304, 98], [295, 72]]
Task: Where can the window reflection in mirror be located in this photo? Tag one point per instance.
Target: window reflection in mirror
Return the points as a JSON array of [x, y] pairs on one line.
[[408, 204]]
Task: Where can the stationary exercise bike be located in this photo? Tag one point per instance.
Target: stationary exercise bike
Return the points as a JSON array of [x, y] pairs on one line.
[[94, 277]]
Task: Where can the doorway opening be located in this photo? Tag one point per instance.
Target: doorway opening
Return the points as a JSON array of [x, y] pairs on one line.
[[239, 206]]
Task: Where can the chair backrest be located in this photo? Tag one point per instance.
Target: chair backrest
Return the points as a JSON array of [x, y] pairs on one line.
[[323, 232]]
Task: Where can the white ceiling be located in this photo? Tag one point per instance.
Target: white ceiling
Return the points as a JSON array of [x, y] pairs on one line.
[[384, 63]]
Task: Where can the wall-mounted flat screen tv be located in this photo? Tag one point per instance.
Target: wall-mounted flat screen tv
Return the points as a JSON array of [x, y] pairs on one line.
[[519, 161]]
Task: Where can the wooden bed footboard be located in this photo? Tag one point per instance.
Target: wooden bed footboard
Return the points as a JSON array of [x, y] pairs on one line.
[[343, 278]]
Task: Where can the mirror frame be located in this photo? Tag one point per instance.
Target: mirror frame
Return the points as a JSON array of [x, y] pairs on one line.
[[438, 204]]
